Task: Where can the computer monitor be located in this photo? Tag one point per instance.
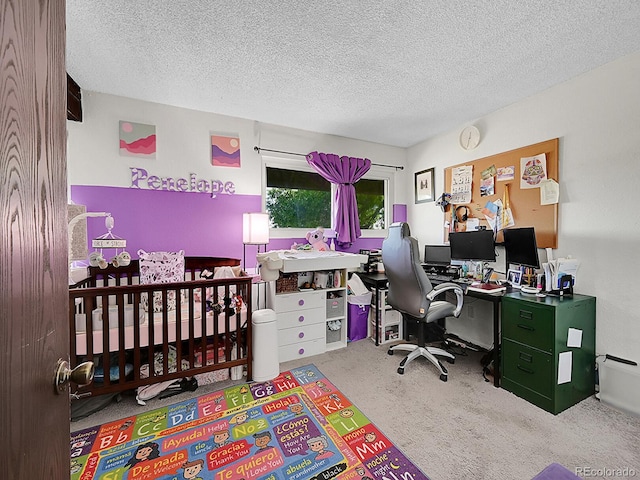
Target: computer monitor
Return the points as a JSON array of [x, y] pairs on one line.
[[437, 255], [474, 245], [520, 247]]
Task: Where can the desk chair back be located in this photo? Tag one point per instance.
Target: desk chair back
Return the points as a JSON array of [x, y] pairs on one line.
[[408, 282]]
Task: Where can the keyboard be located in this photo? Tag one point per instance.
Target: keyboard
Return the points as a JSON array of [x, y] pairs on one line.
[[439, 277]]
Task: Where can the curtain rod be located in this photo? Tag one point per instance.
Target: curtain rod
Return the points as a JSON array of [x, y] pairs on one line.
[[258, 149]]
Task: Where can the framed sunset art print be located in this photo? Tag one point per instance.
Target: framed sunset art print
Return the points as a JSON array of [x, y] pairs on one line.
[[225, 151], [137, 139]]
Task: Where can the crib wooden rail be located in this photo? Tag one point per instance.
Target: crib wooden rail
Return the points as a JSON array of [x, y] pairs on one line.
[[200, 318]]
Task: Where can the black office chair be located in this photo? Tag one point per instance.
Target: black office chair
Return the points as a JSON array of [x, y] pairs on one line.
[[411, 293]]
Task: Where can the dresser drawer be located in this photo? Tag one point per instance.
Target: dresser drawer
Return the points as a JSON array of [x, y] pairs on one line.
[[300, 334], [528, 323], [528, 367], [300, 301], [302, 349], [300, 318]]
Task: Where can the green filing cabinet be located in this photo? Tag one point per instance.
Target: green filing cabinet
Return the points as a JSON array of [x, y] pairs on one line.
[[534, 338]]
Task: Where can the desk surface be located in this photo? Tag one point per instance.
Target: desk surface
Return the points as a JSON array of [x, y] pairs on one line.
[[378, 280], [372, 278]]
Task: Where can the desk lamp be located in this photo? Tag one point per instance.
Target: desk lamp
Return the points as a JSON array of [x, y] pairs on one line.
[[255, 231]]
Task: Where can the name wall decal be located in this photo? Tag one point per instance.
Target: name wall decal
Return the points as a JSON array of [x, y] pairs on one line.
[[140, 178]]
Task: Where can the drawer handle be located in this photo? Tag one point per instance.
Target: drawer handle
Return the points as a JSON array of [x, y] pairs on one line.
[[525, 357], [301, 302], [526, 314], [526, 327], [526, 370], [301, 318], [301, 351], [301, 335]]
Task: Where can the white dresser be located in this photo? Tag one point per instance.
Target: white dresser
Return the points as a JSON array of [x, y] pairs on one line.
[[301, 323], [310, 321]]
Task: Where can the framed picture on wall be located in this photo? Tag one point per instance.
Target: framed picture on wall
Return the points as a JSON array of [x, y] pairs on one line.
[[425, 191]]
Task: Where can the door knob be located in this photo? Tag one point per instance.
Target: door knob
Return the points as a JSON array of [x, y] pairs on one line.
[[81, 375]]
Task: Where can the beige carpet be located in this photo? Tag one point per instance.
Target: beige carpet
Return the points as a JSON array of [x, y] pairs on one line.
[[464, 428]]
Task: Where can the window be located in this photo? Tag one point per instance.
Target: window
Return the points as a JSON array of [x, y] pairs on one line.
[[370, 199], [298, 198]]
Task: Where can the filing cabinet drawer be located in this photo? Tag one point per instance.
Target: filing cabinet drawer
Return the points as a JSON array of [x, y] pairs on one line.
[[300, 318], [300, 301], [529, 324], [528, 367], [301, 349], [300, 334]]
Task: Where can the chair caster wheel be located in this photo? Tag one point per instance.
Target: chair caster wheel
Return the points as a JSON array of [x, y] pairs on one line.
[[389, 352], [443, 377], [450, 360], [401, 371]]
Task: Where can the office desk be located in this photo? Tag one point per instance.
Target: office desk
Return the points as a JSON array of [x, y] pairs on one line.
[[495, 301], [379, 281]]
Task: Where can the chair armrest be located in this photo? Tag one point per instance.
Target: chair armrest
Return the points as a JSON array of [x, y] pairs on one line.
[[445, 287]]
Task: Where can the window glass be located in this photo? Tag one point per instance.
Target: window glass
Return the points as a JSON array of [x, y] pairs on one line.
[[302, 199], [370, 199], [297, 199]]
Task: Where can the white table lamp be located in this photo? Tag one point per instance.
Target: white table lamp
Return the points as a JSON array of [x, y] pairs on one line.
[[255, 231]]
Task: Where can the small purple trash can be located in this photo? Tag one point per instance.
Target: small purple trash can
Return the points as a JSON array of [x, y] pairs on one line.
[[358, 316]]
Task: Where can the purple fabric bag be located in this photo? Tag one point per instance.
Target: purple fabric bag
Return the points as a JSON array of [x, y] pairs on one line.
[[358, 316]]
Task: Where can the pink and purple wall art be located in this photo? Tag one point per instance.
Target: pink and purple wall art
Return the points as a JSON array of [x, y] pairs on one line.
[[225, 151], [137, 140]]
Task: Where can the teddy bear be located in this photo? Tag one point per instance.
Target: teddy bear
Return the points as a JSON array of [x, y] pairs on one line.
[[317, 239]]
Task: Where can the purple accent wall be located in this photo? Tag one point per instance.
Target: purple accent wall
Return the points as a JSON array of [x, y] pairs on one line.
[[399, 212], [158, 220]]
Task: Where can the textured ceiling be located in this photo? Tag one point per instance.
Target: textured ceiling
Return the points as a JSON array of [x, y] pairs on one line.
[[392, 72]]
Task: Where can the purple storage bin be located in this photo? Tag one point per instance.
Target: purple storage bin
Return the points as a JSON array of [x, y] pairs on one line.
[[358, 316]]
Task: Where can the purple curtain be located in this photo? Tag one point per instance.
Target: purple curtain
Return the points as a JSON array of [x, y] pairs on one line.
[[344, 172]]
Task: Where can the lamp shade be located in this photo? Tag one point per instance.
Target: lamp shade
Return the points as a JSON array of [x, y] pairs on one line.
[[255, 228]]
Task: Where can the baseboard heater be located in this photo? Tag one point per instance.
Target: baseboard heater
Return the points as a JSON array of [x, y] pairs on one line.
[[619, 381]]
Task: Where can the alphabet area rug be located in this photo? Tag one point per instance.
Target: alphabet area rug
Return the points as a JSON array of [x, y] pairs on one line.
[[295, 427]]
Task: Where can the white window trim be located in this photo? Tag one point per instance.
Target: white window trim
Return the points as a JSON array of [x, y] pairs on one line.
[[374, 173]]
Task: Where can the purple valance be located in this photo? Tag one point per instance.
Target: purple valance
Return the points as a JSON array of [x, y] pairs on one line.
[[344, 172]]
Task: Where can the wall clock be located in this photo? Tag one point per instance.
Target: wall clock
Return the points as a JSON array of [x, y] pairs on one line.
[[470, 137]]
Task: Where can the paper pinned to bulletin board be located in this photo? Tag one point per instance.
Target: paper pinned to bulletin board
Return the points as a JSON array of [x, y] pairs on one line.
[[528, 209]]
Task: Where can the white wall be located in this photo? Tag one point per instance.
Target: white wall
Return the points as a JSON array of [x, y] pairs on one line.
[[597, 119], [184, 146]]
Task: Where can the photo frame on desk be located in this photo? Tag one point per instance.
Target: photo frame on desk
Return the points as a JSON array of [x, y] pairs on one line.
[[424, 186], [514, 277]]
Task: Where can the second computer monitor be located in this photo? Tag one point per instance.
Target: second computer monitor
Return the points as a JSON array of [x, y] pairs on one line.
[[475, 245], [520, 246], [437, 255]]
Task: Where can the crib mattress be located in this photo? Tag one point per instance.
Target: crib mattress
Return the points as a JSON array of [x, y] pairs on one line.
[[175, 329]]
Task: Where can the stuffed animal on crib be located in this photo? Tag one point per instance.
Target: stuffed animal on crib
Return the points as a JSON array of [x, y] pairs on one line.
[[317, 239]]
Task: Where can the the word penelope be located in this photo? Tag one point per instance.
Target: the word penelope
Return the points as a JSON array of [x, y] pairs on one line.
[[140, 177]]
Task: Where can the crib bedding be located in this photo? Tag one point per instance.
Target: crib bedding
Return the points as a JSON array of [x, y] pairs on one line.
[[173, 330]]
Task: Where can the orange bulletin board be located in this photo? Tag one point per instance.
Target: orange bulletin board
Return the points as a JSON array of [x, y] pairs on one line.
[[524, 202]]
